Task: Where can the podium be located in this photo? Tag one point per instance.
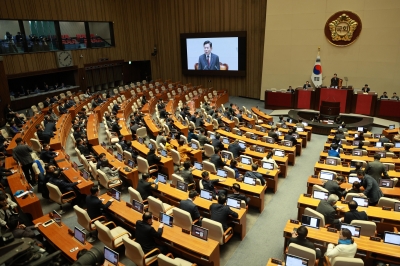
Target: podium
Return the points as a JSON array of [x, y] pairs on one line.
[[344, 96], [364, 103], [278, 100], [329, 108], [304, 99]]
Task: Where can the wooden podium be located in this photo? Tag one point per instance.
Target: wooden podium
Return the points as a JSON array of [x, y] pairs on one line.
[[329, 108]]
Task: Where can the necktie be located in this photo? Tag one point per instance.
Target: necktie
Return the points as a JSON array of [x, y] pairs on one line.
[[208, 60]]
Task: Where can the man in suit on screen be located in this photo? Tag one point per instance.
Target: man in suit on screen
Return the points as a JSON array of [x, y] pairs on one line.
[[208, 60]]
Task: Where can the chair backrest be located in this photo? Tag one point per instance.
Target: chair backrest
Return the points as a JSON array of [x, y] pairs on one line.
[[103, 179], [54, 193], [155, 206], [104, 234], [134, 195], [215, 230], [163, 260], [36, 167], [303, 252], [83, 218], [230, 172], [208, 166], [368, 228], [208, 150], [182, 219], [364, 163], [387, 202], [36, 146], [176, 157], [93, 170], [184, 138], [142, 165], [175, 178], [344, 261], [314, 213], [319, 188], [141, 132], [127, 156], [338, 160], [119, 148], [349, 196], [154, 143], [134, 251], [391, 165]]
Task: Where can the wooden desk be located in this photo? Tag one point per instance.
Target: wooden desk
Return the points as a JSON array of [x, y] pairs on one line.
[[342, 170], [351, 139], [195, 155], [125, 130], [390, 133], [59, 237], [132, 177], [150, 125], [230, 123], [291, 151], [372, 150], [63, 127], [249, 120], [261, 115], [388, 192], [194, 249], [17, 181], [278, 100], [367, 250], [255, 193], [348, 158], [387, 219], [270, 263], [92, 129]]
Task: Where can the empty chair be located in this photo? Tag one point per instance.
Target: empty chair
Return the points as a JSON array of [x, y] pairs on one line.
[[93, 170], [135, 195], [119, 148], [41, 105], [208, 166], [182, 219], [141, 132], [134, 252], [127, 156], [176, 157], [36, 146], [84, 220], [368, 228], [216, 232], [208, 150], [314, 213], [156, 206], [143, 166], [303, 252], [387, 202], [59, 198], [246, 158], [106, 182], [318, 188], [343, 261], [169, 260], [112, 238], [349, 196]]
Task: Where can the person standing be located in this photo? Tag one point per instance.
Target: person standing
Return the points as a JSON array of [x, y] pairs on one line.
[[371, 188], [376, 169], [22, 154], [334, 81]]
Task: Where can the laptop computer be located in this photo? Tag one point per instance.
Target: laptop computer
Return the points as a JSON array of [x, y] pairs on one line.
[[161, 178], [198, 165], [268, 165], [119, 157], [181, 186], [356, 142], [239, 133], [397, 145], [249, 125], [79, 235], [194, 146], [85, 175], [164, 153], [212, 135], [131, 163], [326, 175], [279, 153], [391, 238], [140, 140], [300, 129], [396, 206], [388, 183], [57, 218], [331, 161], [295, 135], [205, 194], [245, 160], [150, 146], [292, 260], [249, 180], [354, 229], [260, 149], [305, 124], [381, 153], [360, 129], [242, 145], [377, 136], [263, 129], [391, 126], [225, 140], [353, 178], [310, 221], [137, 206], [254, 137], [287, 143], [227, 129], [166, 219], [199, 232], [226, 155], [222, 173], [232, 202], [356, 152], [362, 202], [115, 194], [378, 144], [321, 195], [74, 165], [269, 140], [111, 258]]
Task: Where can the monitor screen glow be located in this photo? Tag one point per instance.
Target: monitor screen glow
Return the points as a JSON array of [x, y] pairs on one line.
[[249, 180], [205, 194]]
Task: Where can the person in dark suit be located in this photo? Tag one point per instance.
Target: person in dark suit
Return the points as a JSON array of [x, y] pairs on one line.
[[186, 173], [236, 194], [19, 121], [334, 81], [235, 148], [116, 108], [217, 142], [290, 89], [116, 128], [144, 186], [21, 231], [145, 234], [255, 174], [376, 169], [208, 60], [46, 155], [47, 102], [371, 188], [217, 160], [328, 209], [384, 95], [143, 100], [365, 88], [208, 184], [299, 238], [43, 136], [22, 154], [202, 138], [353, 214], [307, 85], [333, 186], [61, 184], [272, 134], [220, 212], [152, 157], [290, 137], [190, 207], [50, 127]]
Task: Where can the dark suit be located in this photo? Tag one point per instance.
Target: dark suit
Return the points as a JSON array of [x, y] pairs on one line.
[[239, 197], [365, 89], [187, 176], [354, 215], [202, 139], [203, 63], [333, 188], [334, 82], [377, 170], [305, 86], [327, 211], [116, 128], [291, 138], [273, 135], [305, 243], [62, 185], [371, 189], [220, 213], [153, 159], [144, 188], [217, 144], [145, 235], [49, 128], [47, 156], [95, 206], [44, 136], [190, 207], [62, 109], [255, 175], [22, 154], [217, 161], [235, 149]]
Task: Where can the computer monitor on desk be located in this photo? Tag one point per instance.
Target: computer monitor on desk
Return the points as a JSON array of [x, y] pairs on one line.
[[225, 140], [249, 180], [140, 140], [263, 129], [391, 126], [321, 195], [356, 152], [260, 149], [111, 258], [356, 142], [360, 129], [79, 235], [362, 202], [205, 194], [137, 206], [353, 178], [226, 155], [331, 161], [119, 157], [377, 136], [164, 153], [378, 144], [245, 160], [249, 125], [162, 178], [199, 232], [242, 145], [270, 140], [397, 145], [397, 206], [388, 183], [279, 153], [115, 194], [222, 173], [182, 186], [381, 153], [234, 203], [310, 221], [85, 174], [131, 163], [391, 238], [292, 260], [198, 165], [300, 129], [267, 165], [287, 143], [354, 229], [326, 175], [166, 219]]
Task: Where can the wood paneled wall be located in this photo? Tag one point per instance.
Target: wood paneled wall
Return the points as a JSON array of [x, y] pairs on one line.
[[141, 24]]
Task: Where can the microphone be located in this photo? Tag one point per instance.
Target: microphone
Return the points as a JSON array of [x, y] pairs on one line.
[[216, 67]]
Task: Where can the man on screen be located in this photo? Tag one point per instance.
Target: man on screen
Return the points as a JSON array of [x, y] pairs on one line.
[[208, 60]]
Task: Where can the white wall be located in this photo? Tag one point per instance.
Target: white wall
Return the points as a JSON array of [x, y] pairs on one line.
[[10, 26], [72, 28]]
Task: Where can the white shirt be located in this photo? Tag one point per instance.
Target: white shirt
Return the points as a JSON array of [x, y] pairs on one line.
[[341, 250]]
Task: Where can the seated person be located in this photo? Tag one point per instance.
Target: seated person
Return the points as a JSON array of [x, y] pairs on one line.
[[190, 207], [110, 173], [145, 234], [299, 238], [346, 247], [339, 134], [220, 212], [64, 186], [328, 209], [334, 151], [365, 88], [272, 133], [300, 123], [84, 149], [353, 214], [344, 128], [269, 159], [152, 158], [290, 89], [217, 142], [338, 120], [202, 138], [46, 155], [395, 97], [255, 174], [183, 150], [208, 184], [45, 137], [290, 137], [333, 186], [307, 85], [360, 136], [20, 230], [355, 188], [233, 166], [145, 186], [217, 160], [186, 173], [360, 146], [236, 194], [281, 120], [235, 148], [191, 134], [4, 173]]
